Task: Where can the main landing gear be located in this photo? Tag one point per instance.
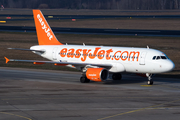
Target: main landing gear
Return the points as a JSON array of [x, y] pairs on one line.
[[150, 81], [116, 76], [84, 79]]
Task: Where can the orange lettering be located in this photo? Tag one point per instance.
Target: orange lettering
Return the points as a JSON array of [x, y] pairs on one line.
[[107, 54], [134, 53], [78, 53], [101, 54], [85, 54], [92, 56], [70, 53], [125, 57], [115, 55], [63, 52]]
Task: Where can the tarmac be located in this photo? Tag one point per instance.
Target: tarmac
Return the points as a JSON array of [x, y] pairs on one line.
[[31, 94], [130, 32]]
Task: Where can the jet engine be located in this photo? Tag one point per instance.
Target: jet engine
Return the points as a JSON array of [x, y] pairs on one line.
[[97, 74]]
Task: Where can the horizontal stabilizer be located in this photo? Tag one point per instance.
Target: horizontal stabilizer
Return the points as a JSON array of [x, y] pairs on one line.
[[41, 51], [7, 60]]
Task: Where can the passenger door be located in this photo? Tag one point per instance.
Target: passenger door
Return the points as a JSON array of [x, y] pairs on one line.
[[142, 58], [54, 53]]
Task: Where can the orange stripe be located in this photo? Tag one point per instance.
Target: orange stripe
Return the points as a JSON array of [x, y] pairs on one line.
[[60, 64], [38, 63]]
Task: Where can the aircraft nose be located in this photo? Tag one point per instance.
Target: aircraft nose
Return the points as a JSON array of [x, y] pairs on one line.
[[170, 66]]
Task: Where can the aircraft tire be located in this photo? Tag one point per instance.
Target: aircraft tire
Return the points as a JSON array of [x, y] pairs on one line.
[[84, 80], [116, 76], [150, 82]]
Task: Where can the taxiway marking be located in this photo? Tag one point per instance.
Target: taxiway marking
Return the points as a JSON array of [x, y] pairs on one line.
[[15, 115], [153, 107]]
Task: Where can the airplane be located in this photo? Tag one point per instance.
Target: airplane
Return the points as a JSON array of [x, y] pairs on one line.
[[97, 63]]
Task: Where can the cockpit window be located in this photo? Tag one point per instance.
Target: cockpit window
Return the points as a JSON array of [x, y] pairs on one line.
[[154, 57], [163, 57], [159, 57]]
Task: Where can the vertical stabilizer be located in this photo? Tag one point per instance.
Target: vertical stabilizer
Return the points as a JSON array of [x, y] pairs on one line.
[[44, 33]]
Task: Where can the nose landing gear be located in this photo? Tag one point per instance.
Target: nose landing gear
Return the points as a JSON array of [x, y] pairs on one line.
[[150, 81]]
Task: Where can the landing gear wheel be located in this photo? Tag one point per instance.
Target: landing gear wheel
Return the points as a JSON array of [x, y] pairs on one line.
[[84, 80], [116, 76], [150, 82]]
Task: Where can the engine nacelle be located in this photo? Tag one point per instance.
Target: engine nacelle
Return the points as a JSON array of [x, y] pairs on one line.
[[97, 74]]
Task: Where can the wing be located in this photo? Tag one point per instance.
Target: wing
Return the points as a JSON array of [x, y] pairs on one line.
[[108, 66]]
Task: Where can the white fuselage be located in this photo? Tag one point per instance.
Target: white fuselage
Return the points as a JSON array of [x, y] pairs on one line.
[[97, 63], [122, 59]]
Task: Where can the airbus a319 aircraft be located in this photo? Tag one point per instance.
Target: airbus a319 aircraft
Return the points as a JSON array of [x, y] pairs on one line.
[[97, 63]]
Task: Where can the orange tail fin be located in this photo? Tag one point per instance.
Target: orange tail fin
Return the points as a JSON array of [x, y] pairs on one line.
[[44, 33]]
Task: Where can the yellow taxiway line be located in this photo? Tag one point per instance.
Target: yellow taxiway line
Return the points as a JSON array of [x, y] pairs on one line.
[[153, 107]]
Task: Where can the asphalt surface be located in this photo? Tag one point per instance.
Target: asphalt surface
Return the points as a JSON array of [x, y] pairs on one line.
[[132, 32], [28, 94], [90, 16]]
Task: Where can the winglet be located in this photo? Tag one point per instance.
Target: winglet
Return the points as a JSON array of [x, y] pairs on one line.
[[7, 60], [44, 33]]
